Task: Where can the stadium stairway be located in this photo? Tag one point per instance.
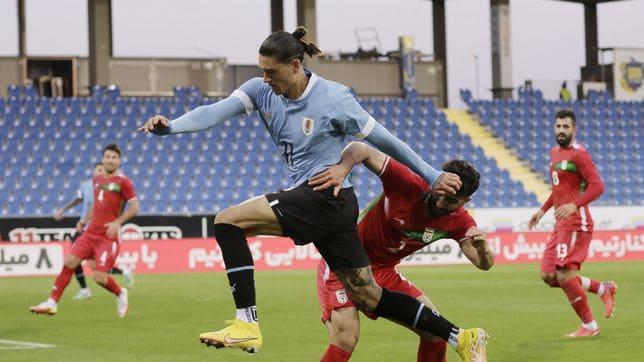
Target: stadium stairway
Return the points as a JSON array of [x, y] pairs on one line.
[[494, 148]]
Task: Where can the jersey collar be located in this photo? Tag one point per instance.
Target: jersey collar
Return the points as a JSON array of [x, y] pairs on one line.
[[313, 78]]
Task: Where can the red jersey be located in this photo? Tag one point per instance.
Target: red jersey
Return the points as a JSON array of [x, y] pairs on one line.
[[396, 224], [574, 180], [110, 196]]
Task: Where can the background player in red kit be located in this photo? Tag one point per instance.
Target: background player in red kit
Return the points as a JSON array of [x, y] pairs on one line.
[[404, 219], [575, 184], [113, 191]]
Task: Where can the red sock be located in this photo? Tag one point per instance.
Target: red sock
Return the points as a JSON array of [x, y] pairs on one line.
[[577, 297], [62, 280], [335, 354], [432, 351], [112, 286], [590, 285]]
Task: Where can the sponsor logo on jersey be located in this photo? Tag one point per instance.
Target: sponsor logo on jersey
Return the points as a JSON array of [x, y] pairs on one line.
[[307, 126]]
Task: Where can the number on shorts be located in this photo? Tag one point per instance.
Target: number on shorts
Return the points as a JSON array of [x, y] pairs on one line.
[[562, 251], [555, 178], [103, 259], [100, 195]]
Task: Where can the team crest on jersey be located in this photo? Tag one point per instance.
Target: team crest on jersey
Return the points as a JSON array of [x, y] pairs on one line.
[[428, 235], [307, 126], [341, 296]]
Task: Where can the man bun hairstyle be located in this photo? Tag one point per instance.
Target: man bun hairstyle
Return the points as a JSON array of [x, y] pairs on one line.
[[468, 174], [287, 46]]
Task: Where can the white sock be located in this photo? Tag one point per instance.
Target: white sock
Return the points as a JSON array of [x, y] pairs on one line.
[[248, 315], [453, 337], [51, 301], [601, 289], [585, 283], [591, 326]]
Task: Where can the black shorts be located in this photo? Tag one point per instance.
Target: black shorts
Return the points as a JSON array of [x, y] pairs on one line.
[[327, 221]]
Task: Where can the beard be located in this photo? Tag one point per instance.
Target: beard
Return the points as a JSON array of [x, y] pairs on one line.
[[434, 210], [563, 140]]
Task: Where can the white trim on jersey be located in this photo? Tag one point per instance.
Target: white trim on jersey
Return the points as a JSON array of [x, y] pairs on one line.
[[584, 222], [312, 80], [245, 99], [384, 166], [572, 242], [364, 132], [327, 270]]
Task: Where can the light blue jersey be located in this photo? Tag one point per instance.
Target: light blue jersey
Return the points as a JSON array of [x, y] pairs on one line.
[[311, 131], [85, 193]]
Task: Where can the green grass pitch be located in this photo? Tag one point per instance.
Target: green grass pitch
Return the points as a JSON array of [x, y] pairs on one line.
[[525, 319]]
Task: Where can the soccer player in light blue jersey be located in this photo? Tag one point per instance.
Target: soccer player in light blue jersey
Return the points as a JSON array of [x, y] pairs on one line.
[[310, 119]]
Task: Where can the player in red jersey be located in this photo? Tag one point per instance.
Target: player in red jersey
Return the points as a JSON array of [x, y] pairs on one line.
[[113, 191], [575, 184], [405, 218]]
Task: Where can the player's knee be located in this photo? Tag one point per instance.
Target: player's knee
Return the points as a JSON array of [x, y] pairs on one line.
[[565, 275], [100, 278], [71, 261], [366, 297], [345, 333], [347, 340], [225, 217], [550, 279]]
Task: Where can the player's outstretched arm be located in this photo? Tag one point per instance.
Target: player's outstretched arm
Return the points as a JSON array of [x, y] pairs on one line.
[[200, 118], [58, 214], [476, 249], [443, 183]]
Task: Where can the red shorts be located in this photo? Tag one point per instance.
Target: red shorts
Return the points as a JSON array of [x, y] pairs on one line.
[[565, 249], [98, 247], [332, 295]]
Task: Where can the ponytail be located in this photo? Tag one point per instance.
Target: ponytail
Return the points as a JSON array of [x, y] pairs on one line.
[[288, 46]]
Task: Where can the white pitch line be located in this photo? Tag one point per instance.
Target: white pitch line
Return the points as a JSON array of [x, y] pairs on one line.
[[9, 344]]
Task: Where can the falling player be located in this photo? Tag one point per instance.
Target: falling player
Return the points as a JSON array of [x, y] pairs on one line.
[[407, 217], [113, 191], [575, 184]]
